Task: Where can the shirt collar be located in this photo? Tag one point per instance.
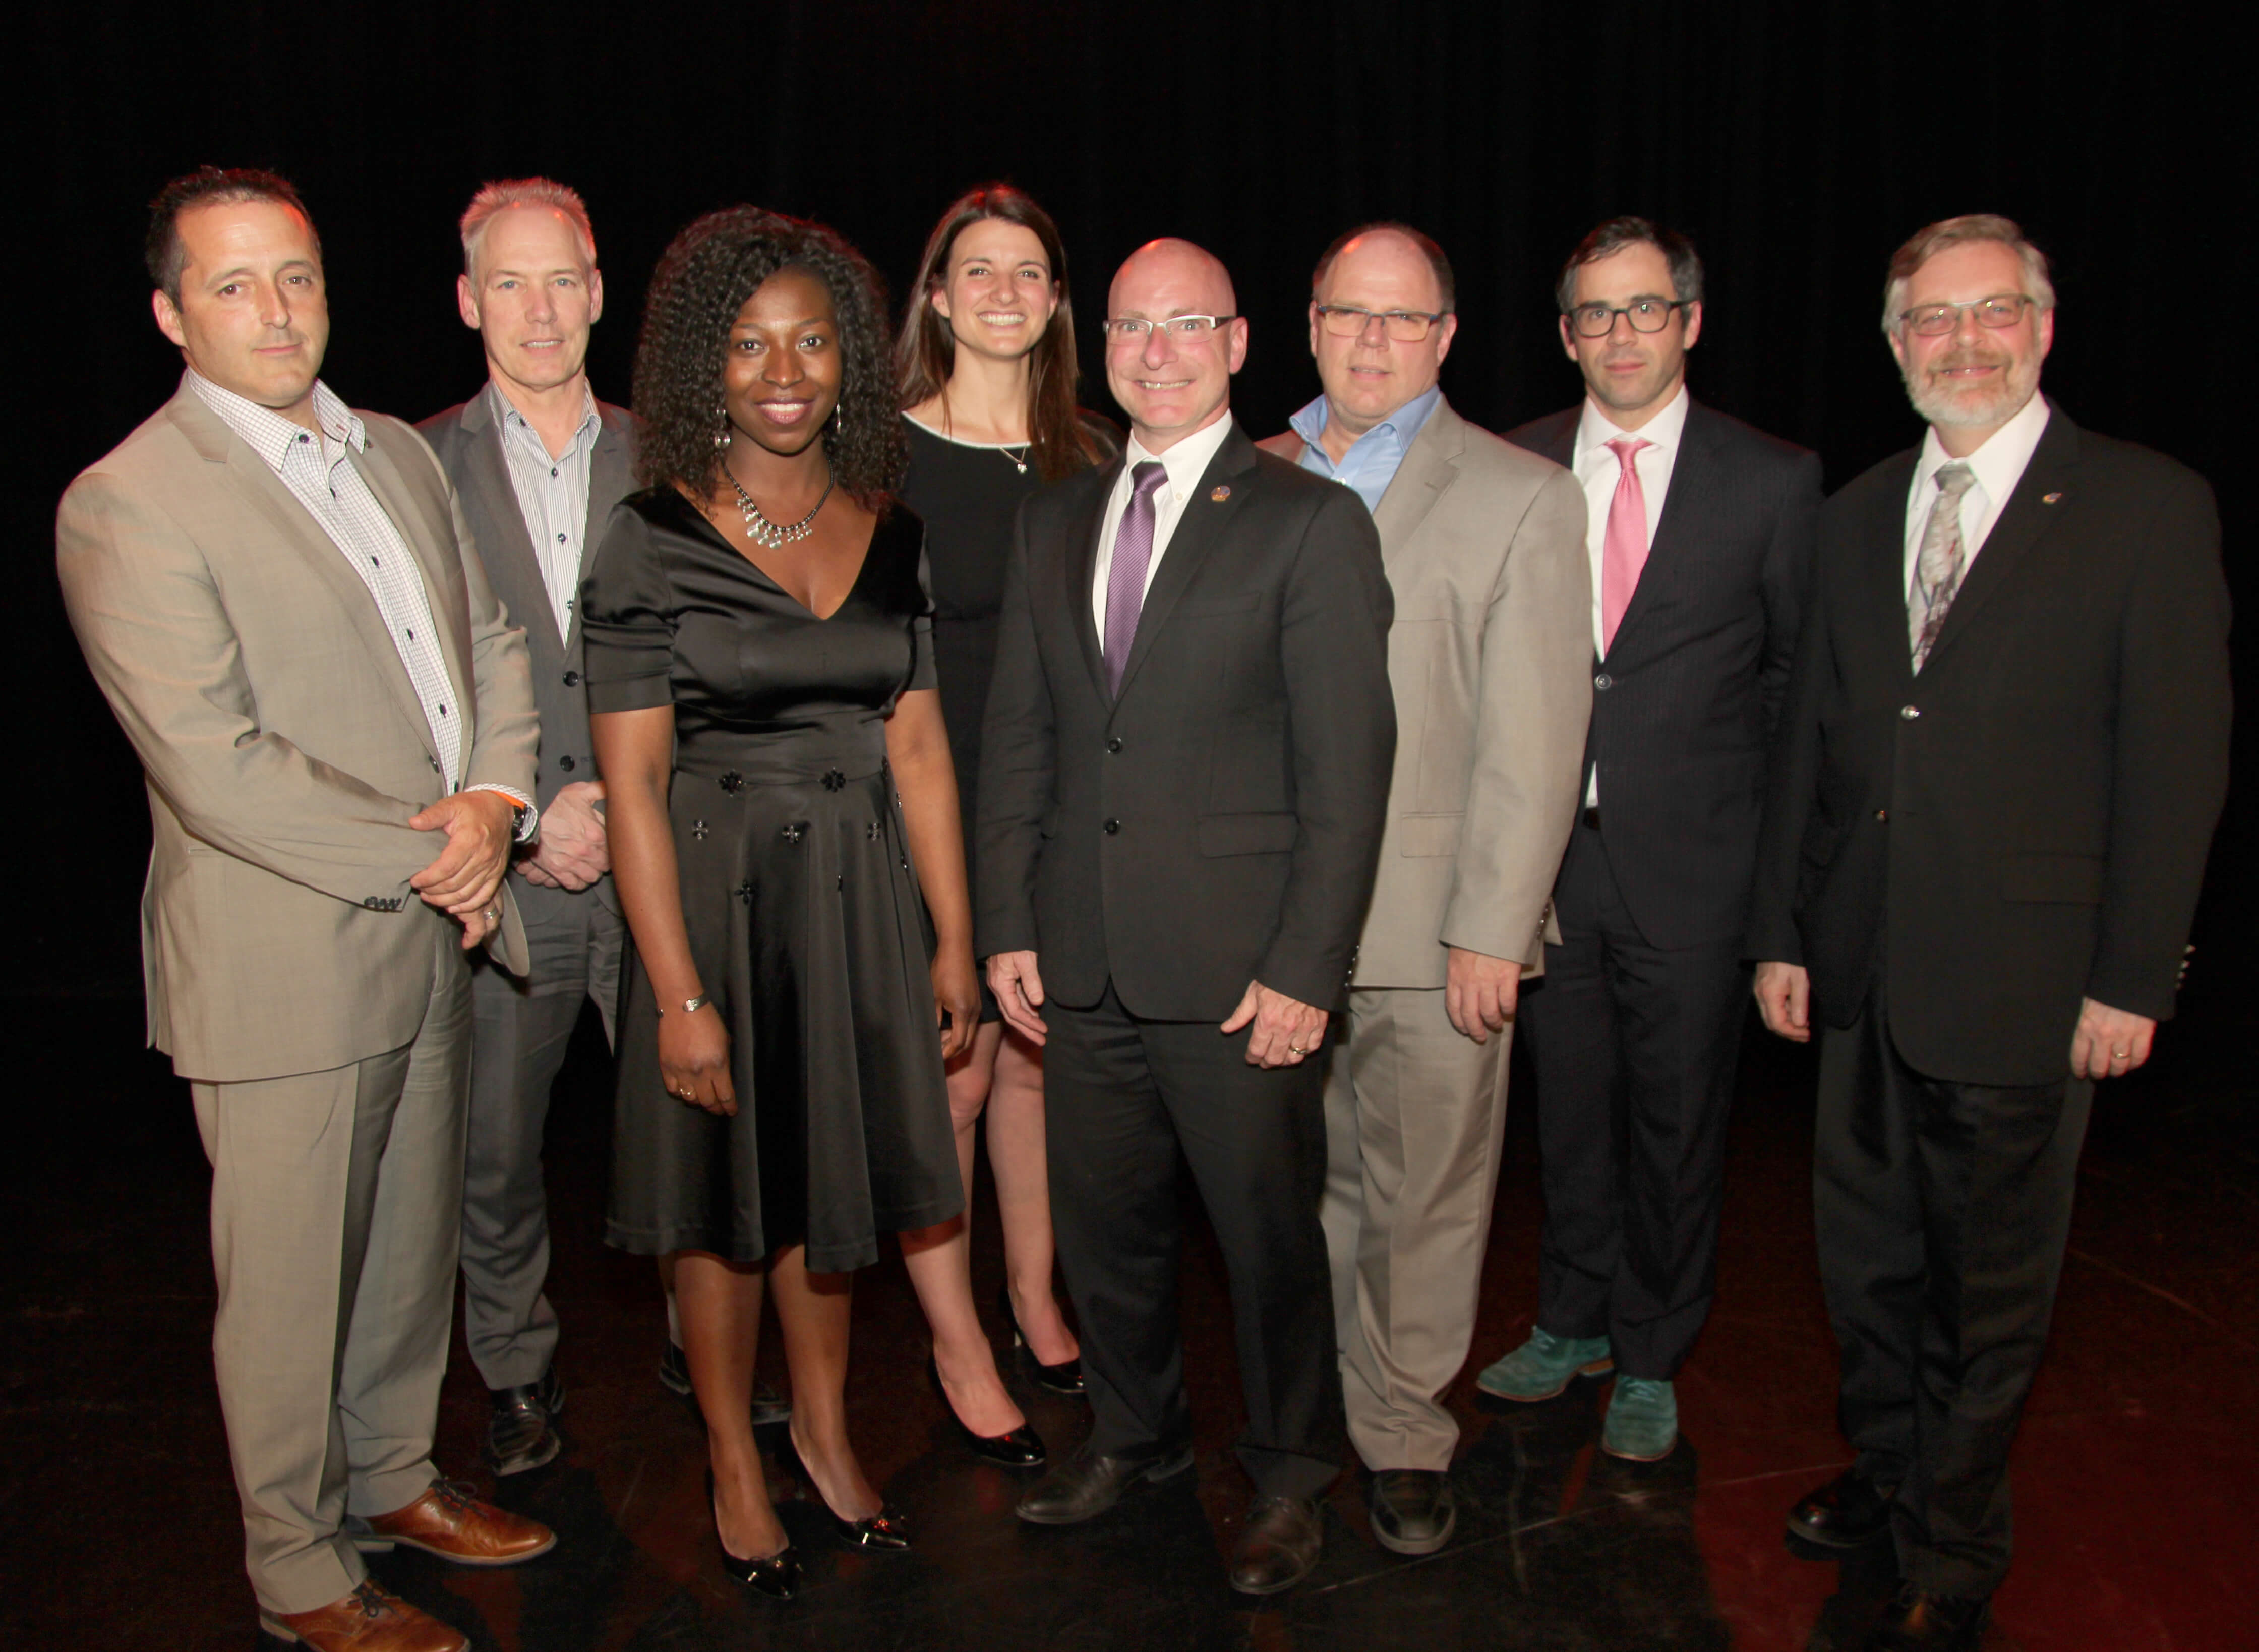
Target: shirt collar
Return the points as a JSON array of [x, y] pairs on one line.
[[269, 434], [1187, 460], [504, 412], [1595, 430], [1405, 424], [1999, 461]]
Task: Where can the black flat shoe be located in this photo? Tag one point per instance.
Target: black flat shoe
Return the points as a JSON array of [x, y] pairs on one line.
[[886, 1529], [776, 1575], [1020, 1449], [1065, 1377]]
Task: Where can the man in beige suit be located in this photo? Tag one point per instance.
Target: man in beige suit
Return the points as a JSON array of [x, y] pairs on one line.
[[280, 599], [1488, 655]]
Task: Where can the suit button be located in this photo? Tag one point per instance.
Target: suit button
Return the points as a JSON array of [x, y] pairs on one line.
[[434, 762], [1882, 814], [1909, 712], [1112, 827], [565, 763], [1113, 745], [571, 679], [1604, 683]]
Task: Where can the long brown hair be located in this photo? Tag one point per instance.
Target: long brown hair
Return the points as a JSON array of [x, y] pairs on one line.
[[925, 351]]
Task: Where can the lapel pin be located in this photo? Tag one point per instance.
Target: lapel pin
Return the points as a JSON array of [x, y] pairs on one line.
[[1220, 495], [2049, 499]]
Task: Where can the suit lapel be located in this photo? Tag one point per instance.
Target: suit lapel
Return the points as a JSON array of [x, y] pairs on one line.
[[2051, 474], [1200, 524], [423, 537], [1082, 567], [1883, 594], [1429, 467], [611, 476], [501, 529], [1668, 558]]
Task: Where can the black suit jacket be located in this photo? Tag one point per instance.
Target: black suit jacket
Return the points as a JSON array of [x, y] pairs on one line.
[[2025, 823], [1685, 705], [1219, 823], [469, 444]]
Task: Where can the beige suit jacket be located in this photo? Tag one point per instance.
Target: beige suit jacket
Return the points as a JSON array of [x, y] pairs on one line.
[[1491, 658], [283, 743]]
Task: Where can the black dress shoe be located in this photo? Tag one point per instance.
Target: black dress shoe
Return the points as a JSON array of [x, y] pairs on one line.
[[1919, 1622], [1280, 1546], [769, 1405], [1413, 1510], [1093, 1482], [520, 1435], [1850, 1511], [886, 1529], [1065, 1377], [776, 1575], [1023, 1448]]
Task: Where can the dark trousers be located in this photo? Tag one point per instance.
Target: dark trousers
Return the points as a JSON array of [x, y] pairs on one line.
[[1121, 1097], [1942, 1211], [1634, 1048]]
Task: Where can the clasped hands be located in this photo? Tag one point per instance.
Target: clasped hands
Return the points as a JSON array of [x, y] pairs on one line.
[[1285, 1031], [2106, 1043], [466, 876]]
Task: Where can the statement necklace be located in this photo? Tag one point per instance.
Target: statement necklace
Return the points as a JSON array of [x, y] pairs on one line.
[[768, 534]]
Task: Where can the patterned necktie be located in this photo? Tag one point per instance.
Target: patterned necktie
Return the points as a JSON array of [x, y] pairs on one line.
[[1125, 580], [1937, 569], [1623, 550]]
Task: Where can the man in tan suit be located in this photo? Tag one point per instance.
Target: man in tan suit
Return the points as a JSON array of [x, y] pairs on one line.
[[1483, 546], [279, 598]]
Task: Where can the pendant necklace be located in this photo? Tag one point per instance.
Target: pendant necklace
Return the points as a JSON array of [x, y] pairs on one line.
[[1019, 459], [768, 534]]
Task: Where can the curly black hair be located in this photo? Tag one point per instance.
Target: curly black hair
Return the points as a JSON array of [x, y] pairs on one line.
[[702, 280]]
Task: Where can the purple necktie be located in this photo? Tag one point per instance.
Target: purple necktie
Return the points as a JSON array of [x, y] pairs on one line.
[[1125, 580]]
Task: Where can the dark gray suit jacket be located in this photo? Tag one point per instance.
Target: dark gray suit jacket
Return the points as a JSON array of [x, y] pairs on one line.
[[469, 446], [1218, 823]]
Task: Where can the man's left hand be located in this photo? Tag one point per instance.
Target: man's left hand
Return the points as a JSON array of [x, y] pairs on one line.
[[572, 850], [465, 878], [1480, 991], [2109, 1043], [1287, 1030]]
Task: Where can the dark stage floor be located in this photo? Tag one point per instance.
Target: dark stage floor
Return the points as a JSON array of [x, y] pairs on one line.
[[2134, 1457]]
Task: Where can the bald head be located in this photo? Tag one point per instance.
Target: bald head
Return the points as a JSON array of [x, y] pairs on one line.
[[1171, 384]]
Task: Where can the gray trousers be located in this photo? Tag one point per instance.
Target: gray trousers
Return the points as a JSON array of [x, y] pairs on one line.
[[333, 1231], [520, 1032], [1415, 1114]]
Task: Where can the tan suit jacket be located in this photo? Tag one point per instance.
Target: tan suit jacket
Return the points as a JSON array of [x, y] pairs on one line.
[[1490, 658], [283, 743]]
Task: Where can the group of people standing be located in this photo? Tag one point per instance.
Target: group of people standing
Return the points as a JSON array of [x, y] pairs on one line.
[[878, 738]]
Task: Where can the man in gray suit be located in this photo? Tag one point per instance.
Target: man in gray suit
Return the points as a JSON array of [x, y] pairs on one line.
[[538, 463], [279, 598], [1483, 546]]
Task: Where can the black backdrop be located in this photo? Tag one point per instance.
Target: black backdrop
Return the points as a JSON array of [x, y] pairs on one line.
[[1798, 143]]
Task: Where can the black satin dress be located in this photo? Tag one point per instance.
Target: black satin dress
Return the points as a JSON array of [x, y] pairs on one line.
[[803, 910]]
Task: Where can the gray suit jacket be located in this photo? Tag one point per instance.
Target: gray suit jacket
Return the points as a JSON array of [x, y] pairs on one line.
[[1490, 658], [468, 443], [283, 743]]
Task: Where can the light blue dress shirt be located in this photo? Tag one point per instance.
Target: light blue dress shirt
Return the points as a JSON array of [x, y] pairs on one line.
[[1371, 463]]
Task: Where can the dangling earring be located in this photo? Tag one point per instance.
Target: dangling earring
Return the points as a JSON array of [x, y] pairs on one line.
[[837, 423], [722, 427]]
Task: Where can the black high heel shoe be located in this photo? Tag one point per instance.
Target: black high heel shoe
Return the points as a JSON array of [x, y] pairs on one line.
[[884, 1530], [1065, 1377], [776, 1575], [1022, 1448]]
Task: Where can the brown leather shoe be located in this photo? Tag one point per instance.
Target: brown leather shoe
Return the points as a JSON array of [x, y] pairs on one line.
[[367, 1621], [449, 1522]]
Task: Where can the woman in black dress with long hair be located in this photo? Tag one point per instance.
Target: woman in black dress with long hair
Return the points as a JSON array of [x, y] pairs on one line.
[[783, 818], [986, 375]]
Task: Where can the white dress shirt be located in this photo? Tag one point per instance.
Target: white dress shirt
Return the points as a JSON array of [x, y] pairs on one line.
[[1597, 472], [1998, 466], [552, 494], [1186, 462]]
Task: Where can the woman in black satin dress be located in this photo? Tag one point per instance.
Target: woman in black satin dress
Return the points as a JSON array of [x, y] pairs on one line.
[[783, 818]]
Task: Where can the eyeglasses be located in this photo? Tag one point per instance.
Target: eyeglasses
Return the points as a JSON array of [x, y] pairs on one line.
[[1183, 329], [1934, 321], [1646, 315], [1404, 326]]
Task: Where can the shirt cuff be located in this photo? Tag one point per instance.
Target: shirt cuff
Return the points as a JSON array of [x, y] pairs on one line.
[[532, 823]]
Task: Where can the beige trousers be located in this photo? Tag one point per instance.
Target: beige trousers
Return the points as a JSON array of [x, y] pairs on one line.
[[1415, 1114], [335, 1207]]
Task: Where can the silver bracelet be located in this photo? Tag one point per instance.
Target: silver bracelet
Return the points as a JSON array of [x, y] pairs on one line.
[[689, 1004]]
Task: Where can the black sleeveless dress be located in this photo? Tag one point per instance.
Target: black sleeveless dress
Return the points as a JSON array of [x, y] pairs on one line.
[[803, 910]]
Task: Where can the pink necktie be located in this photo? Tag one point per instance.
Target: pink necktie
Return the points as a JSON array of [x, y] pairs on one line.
[[1125, 578], [1623, 551]]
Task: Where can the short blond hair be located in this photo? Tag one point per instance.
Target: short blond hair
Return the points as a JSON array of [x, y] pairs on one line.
[[505, 193], [1927, 242]]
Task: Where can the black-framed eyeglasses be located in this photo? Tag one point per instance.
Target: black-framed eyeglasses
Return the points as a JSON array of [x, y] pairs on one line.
[[1646, 315], [1184, 329], [1404, 326], [1934, 321]]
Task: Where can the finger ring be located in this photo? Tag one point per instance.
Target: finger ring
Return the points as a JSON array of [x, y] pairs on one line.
[[1296, 1049], [2118, 1054], [494, 914]]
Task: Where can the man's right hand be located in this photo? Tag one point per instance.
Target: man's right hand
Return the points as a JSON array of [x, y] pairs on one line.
[[1020, 991], [1784, 994]]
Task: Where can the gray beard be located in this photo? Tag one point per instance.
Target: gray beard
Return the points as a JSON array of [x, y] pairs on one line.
[[1995, 407]]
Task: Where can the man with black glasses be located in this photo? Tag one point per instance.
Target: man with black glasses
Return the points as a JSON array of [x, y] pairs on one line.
[[1700, 537], [2003, 753]]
